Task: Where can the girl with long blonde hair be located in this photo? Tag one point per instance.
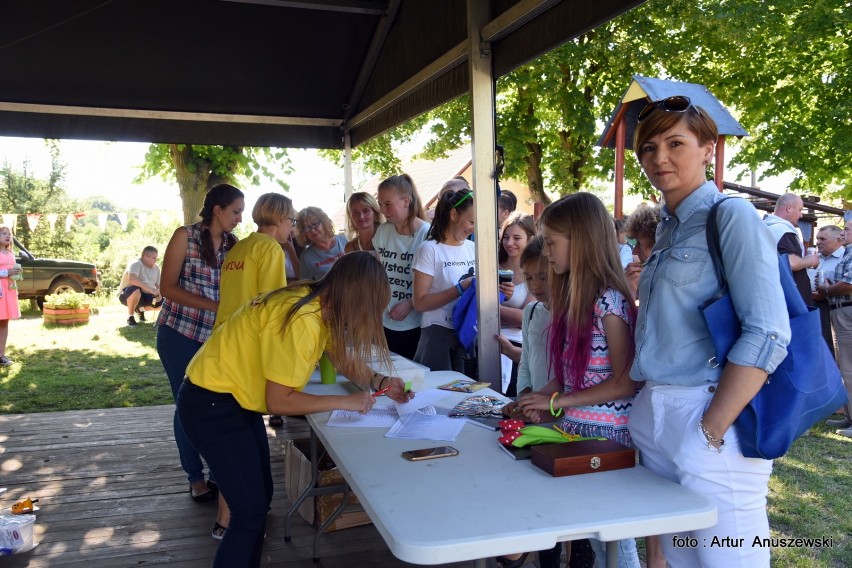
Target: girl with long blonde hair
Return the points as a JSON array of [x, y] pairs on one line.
[[238, 376], [396, 242], [590, 347]]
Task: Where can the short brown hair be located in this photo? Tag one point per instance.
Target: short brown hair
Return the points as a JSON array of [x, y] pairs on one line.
[[696, 118]]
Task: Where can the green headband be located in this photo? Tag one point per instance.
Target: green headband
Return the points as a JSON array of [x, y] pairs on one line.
[[460, 201]]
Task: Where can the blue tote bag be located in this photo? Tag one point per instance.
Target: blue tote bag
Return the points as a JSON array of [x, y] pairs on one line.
[[465, 316], [804, 389]]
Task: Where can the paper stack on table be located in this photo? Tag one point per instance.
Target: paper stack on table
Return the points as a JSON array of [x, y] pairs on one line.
[[422, 427], [416, 418], [386, 412]]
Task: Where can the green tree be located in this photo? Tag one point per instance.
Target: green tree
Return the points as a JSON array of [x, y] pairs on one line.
[[784, 68], [378, 155], [197, 168], [22, 193], [781, 68]]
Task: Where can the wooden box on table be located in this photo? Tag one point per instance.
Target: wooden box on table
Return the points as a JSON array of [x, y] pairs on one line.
[[587, 456]]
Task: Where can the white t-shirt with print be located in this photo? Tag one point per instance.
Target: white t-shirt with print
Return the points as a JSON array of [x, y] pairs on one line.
[[446, 264], [396, 253]]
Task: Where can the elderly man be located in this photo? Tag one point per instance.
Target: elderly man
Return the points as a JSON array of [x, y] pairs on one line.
[[140, 285], [830, 247], [782, 224], [838, 290]]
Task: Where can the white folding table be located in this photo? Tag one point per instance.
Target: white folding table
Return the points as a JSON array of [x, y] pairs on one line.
[[482, 504]]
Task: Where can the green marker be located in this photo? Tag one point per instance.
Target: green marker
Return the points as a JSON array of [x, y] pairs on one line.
[[407, 386]]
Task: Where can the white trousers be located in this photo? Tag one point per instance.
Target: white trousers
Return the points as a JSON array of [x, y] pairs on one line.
[[664, 427]]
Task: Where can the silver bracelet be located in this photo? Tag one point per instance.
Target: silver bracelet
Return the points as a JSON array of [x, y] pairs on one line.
[[710, 438]]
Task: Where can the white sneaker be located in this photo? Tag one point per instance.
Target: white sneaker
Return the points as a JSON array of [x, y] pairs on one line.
[[845, 432]]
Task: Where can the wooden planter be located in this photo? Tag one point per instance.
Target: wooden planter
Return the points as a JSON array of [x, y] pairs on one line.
[[64, 315]]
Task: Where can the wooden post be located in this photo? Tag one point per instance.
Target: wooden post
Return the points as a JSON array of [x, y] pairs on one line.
[[483, 134], [719, 169], [620, 143]]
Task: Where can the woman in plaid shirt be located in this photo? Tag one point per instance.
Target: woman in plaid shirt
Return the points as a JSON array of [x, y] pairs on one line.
[[190, 285]]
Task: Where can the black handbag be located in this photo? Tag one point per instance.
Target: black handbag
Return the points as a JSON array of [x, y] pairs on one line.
[[804, 389]]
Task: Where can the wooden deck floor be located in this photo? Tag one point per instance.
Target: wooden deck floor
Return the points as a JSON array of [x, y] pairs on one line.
[[112, 494]]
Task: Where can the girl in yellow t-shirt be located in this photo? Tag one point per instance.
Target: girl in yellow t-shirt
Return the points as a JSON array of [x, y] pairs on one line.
[[257, 362]]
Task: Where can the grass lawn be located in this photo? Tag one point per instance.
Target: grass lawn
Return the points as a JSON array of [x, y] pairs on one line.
[[103, 364], [108, 364]]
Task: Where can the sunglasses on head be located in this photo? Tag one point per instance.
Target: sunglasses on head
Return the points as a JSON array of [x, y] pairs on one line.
[[676, 103]]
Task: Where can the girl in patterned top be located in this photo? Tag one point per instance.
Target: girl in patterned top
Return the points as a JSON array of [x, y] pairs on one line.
[[591, 335], [189, 283]]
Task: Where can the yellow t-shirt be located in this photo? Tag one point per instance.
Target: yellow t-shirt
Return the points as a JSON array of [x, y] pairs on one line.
[[254, 265], [250, 348]]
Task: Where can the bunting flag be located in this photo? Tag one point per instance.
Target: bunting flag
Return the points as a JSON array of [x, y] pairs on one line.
[[167, 218], [32, 220], [11, 221], [51, 219]]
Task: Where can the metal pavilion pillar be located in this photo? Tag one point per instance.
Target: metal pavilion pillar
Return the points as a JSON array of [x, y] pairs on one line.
[[483, 144]]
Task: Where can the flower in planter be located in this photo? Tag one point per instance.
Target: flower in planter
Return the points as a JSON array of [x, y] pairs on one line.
[[68, 300]]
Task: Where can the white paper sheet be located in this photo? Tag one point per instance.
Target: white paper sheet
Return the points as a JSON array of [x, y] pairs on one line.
[[376, 418], [421, 399], [417, 426], [382, 415]]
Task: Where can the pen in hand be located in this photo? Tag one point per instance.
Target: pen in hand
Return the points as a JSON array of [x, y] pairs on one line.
[[381, 392]]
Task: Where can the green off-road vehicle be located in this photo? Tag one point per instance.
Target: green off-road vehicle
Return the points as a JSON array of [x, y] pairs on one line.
[[43, 276]]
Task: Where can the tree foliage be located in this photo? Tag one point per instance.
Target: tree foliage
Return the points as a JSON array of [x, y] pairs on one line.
[[377, 156], [22, 193], [197, 168], [781, 68], [785, 70]]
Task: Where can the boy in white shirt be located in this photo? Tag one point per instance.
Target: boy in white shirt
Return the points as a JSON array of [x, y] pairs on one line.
[[140, 285]]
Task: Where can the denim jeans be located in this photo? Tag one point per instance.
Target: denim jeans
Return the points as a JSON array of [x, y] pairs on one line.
[[628, 556], [175, 352], [234, 443]]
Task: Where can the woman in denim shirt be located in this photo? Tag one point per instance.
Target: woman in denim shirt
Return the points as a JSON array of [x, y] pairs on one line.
[[681, 421]]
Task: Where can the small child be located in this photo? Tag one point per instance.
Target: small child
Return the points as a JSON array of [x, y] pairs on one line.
[[532, 356], [9, 308]]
